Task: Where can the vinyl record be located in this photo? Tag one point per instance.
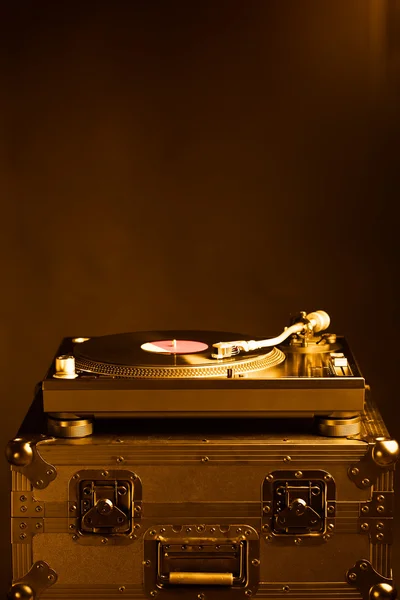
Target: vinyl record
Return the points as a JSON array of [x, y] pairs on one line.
[[169, 354]]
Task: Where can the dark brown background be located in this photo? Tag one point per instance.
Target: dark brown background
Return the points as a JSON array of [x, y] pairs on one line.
[[205, 164]]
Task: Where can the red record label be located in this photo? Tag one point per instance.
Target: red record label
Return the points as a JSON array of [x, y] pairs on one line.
[[174, 346]]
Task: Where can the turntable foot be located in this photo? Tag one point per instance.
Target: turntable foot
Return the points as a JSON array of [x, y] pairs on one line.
[[68, 426], [339, 426]]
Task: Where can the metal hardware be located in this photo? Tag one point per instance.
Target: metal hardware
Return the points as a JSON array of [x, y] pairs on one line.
[[105, 506], [39, 577], [339, 426], [69, 425], [22, 530], [223, 558], [299, 504], [379, 532], [24, 457], [376, 517], [380, 457], [188, 578], [369, 583], [378, 508]]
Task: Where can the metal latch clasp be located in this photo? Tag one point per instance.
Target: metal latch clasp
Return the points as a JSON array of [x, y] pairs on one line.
[[298, 516], [105, 503], [299, 503]]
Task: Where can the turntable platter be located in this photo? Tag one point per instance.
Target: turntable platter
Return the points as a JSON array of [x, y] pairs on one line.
[[168, 354]]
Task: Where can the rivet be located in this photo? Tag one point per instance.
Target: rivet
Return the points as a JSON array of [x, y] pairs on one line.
[[286, 588], [331, 508], [205, 459], [74, 537], [248, 593], [153, 593], [39, 482], [298, 474], [22, 525], [49, 472], [121, 589], [152, 532], [380, 508], [380, 536], [331, 527], [239, 530], [76, 476], [188, 529], [201, 596], [326, 537], [38, 509], [297, 540], [200, 528], [365, 526], [162, 530], [38, 526], [366, 482], [268, 538], [247, 532], [255, 562], [133, 477], [105, 473], [365, 509], [265, 527], [40, 566], [266, 508], [72, 508], [269, 477], [50, 577], [138, 509], [212, 530], [104, 540], [381, 498], [146, 563], [23, 498], [328, 477], [363, 566], [354, 471], [120, 459], [22, 536], [23, 508], [287, 459], [380, 526], [72, 526], [352, 576]]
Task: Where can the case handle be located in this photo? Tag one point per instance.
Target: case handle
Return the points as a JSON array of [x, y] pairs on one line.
[[188, 578]]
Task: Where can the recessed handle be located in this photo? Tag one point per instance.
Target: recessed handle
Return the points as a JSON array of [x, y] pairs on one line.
[[188, 578]]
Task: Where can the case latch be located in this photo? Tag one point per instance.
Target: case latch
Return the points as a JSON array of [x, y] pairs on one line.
[[298, 503], [105, 506]]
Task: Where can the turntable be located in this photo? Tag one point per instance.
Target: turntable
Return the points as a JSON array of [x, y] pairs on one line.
[[304, 372]]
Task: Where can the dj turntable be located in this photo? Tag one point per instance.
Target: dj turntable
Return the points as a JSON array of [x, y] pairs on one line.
[[304, 372], [203, 465]]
